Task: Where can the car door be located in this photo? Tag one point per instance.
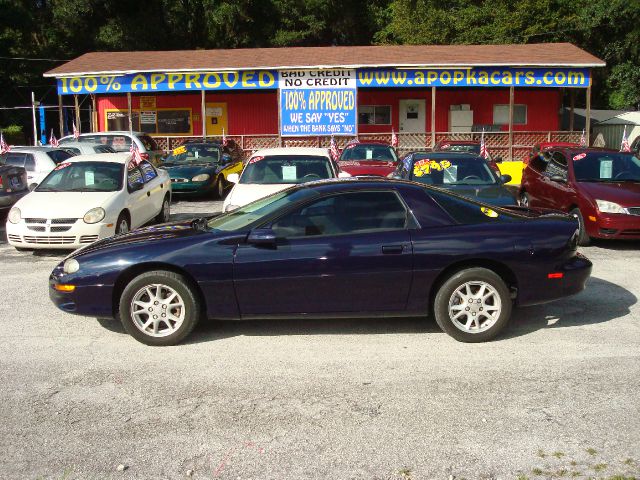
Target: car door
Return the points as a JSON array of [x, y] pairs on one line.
[[557, 193], [534, 181], [138, 197], [348, 252], [153, 186]]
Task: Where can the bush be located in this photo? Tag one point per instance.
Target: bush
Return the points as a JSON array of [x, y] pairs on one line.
[[13, 135]]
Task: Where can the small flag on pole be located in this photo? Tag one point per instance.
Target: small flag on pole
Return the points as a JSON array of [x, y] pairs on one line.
[[4, 148], [394, 139], [76, 132], [624, 145], [333, 148], [483, 146], [136, 158], [583, 139], [53, 141]]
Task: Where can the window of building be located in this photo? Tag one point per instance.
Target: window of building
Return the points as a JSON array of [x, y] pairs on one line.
[[162, 122], [501, 114], [374, 115]]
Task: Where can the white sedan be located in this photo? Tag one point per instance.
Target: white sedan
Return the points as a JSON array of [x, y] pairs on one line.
[[273, 169], [87, 198]]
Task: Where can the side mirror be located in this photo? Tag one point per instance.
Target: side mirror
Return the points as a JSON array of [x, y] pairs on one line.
[[505, 178], [263, 237], [558, 178], [344, 175], [233, 178], [497, 159], [226, 158]]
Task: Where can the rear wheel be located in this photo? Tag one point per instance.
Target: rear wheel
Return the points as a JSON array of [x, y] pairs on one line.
[[473, 305], [524, 200], [583, 236], [123, 225], [159, 308]]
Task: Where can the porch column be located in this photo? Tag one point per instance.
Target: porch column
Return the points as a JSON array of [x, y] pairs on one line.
[[129, 112], [572, 106], [203, 112], [433, 117], [511, 98], [94, 115], [77, 110], [587, 126], [60, 118]]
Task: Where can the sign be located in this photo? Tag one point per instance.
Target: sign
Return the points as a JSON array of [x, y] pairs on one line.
[[168, 82], [318, 102], [147, 103], [475, 77], [148, 117]]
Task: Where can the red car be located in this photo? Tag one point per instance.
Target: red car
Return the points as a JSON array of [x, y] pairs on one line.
[[370, 158], [538, 147], [467, 146], [600, 187]]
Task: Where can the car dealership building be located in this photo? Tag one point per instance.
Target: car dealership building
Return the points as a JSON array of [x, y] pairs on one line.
[[297, 96]]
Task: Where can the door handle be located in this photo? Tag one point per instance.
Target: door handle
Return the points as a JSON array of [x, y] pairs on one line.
[[392, 249]]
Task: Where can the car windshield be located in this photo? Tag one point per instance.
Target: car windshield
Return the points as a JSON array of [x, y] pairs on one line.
[[119, 143], [463, 170], [606, 167], [84, 177], [276, 169], [254, 212], [461, 148], [373, 153], [196, 153]]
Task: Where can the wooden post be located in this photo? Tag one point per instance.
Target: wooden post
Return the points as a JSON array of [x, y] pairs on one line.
[[433, 117], [511, 99], [60, 117], [129, 112], [203, 113], [77, 110], [587, 126], [94, 115], [572, 106]]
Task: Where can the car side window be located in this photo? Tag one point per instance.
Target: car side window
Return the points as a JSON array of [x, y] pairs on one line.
[[557, 166], [29, 163], [134, 178], [148, 172], [59, 156], [15, 158], [346, 213], [539, 161]]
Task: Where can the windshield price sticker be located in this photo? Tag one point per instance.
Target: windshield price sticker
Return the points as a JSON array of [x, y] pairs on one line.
[[63, 165], [606, 168], [179, 150], [255, 159], [580, 156], [446, 146], [289, 172], [426, 166]]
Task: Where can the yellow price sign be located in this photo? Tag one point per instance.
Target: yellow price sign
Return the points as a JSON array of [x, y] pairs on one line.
[[425, 166], [488, 212], [179, 150]]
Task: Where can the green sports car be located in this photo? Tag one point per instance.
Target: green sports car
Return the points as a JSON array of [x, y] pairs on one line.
[[200, 169]]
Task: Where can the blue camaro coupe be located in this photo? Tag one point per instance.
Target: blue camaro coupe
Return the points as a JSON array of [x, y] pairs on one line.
[[333, 248]]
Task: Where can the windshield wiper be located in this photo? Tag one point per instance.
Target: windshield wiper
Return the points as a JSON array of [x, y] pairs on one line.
[[48, 189]]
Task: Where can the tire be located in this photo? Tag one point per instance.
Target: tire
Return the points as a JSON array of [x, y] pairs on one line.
[[451, 298], [219, 188], [525, 200], [165, 212], [21, 249], [583, 237], [175, 298], [123, 225]]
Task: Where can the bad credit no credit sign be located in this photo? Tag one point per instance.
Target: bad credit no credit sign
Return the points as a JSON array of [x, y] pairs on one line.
[[317, 102]]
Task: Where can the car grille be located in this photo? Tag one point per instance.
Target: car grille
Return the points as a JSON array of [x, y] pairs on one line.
[[634, 210], [179, 180], [15, 238], [88, 238], [49, 240], [57, 225], [630, 232], [35, 220], [36, 228]]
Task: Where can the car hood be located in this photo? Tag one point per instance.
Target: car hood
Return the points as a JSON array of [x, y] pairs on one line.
[[61, 204], [244, 193], [626, 194], [190, 171], [367, 167], [492, 194]]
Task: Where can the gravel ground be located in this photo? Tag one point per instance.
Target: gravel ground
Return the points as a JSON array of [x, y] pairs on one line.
[[557, 396]]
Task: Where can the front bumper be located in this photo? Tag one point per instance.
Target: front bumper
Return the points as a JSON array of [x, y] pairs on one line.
[[57, 236], [8, 199], [191, 188], [92, 300], [614, 226]]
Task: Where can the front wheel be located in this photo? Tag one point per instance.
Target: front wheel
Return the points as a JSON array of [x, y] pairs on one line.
[[122, 225], [473, 305], [219, 187], [159, 308], [165, 212], [583, 237], [524, 200]]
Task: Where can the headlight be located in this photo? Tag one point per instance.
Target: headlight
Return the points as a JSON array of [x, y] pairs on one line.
[[203, 177], [231, 207], [14, 215], [94, 215], [71, 266], [609, 207]]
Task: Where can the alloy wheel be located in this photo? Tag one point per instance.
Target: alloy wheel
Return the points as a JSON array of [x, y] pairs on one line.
[[157, 310], [474, 307]]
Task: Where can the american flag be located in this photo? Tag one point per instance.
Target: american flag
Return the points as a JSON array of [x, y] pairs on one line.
[[4, 148], [76, 132], [484, 153], [136, 158], [624, 145], [583, 139], [333, 147], [394, 139], [224, 139], [53, 141]]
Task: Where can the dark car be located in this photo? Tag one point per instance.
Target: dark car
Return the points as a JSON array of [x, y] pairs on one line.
[[200, 168], [331, 248], [466, 146], [13, 185], [465, 174], [370, 158], [600, 187]]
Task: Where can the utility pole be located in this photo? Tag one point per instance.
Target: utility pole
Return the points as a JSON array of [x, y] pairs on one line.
[[33, 113]]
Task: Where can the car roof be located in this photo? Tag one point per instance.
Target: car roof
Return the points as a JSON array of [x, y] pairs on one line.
[[458, 142], [447, 154], [369, 142], [557, 144], [82, 144], [34, 149], [595, 149], [120, 157], [266, 152]]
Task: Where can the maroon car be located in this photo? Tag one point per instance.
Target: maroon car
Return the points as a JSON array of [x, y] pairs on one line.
[[370, 158], [600, 187]]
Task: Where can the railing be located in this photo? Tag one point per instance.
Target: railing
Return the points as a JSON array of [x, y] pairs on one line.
[[497, 142]]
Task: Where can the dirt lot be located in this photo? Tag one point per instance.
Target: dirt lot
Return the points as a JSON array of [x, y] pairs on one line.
[[556, 397]]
